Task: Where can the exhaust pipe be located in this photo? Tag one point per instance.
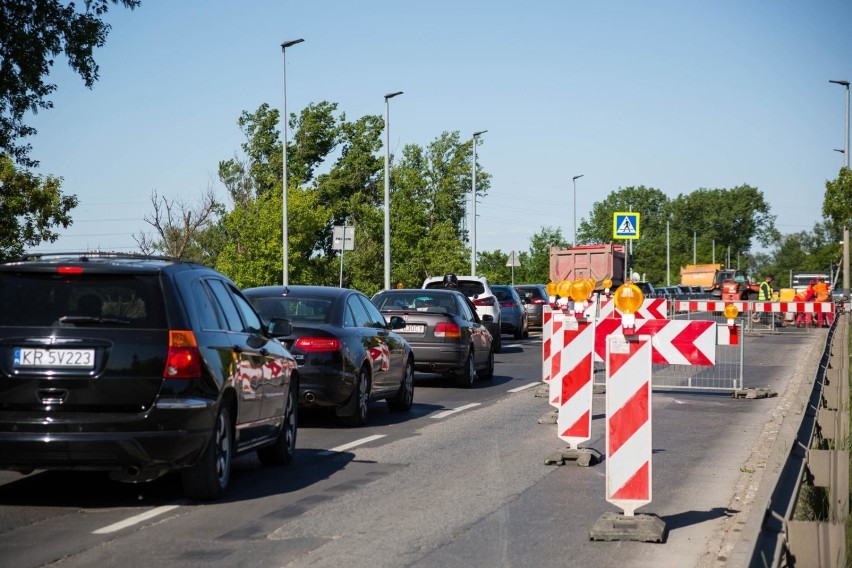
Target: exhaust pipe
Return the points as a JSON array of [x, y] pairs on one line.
[[310, 397]]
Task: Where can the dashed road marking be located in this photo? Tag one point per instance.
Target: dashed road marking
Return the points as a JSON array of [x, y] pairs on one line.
[[446, 413], [525, 387], [135, 520], [351, 445]]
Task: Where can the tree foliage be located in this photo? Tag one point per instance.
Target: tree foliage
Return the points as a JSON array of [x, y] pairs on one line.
[[837, 203], [180, 227], [30, 206], [32, 34]]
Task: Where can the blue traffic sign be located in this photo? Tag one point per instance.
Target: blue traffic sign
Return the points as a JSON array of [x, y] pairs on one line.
[[625, 225]]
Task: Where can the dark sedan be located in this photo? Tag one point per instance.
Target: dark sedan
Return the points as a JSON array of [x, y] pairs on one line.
[[534, 297], [348, 354], [513, 316], [444, 330]]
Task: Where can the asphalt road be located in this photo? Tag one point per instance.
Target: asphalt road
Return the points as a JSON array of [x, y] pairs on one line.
[[459, 481]]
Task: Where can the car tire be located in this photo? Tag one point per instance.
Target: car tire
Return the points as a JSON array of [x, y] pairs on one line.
[[487, 373], [403, 399], [466, 375], [356, 412], [281, 451], [208, 479], [497, 343], [518, 333]]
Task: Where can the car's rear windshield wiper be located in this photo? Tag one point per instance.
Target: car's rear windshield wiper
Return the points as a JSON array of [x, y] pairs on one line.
[[91, 319]]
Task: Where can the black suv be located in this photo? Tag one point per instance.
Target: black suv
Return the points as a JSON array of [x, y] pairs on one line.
[[137, 366]]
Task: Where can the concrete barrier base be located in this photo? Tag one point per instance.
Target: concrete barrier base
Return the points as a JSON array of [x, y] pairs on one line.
[[642, 528], [583, 456]]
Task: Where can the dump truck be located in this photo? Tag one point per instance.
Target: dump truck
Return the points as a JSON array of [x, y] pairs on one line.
[[588, 261], [723, 283]]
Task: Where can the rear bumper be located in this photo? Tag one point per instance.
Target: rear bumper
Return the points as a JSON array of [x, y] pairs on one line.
[[139, 448], [319, 386], [437, 358]]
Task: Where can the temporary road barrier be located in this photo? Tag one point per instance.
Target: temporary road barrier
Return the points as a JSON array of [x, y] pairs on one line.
[[628, 422], [675, 342], [652, 308], [574, 423]]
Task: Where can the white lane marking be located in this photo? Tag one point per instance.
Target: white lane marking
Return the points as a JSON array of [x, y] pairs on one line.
[[351, 445], [453, 411], [136, 519], [525, 387]]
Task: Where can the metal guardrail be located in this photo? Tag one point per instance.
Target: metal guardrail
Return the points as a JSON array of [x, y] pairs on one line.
[[812, 453]]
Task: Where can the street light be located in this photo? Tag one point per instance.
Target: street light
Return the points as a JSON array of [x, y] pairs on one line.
[[387, 188], [286, 271], [473, 207], [574, 179], [846, 163]]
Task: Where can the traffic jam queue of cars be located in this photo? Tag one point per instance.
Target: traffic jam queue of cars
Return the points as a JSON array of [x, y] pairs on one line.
[[141, 366]]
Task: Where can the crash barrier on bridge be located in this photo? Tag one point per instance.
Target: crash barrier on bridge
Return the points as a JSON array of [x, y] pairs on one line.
[[799, 513]]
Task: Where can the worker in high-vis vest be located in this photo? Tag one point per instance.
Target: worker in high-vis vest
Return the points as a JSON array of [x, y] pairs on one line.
[[765, 294]]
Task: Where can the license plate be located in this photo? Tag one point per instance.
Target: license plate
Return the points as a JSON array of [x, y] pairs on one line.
[[62, 358], [414, 329]]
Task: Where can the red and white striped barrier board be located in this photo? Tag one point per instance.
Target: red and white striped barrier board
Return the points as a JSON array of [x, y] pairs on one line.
[[546, 333], [556, 370], [652, 308], [628, 422], [708, 306], [675, 342], [727, 334], [574, 422], [793, 307]]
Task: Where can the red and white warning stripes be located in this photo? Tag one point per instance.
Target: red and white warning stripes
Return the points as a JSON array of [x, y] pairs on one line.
[[574, 422], [546, 333], [707, 306], [761, 307], [675, 342], [628, 422], [793, 307], [652, 308]]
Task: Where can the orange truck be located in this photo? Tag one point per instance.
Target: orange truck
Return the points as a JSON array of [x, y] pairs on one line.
[[599, 262], [724, 283]]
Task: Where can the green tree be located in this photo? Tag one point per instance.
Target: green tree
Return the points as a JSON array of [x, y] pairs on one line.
[[837, 203], [32, 34], [30, 207]]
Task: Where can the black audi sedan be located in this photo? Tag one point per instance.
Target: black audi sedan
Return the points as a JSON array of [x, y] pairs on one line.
[[348, 354], [139, 366]]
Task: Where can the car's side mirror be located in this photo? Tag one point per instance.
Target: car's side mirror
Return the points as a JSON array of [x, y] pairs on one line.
[[397, 322], [487, 318], [279, 327]]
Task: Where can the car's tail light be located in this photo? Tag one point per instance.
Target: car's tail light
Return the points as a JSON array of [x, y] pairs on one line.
[[538, 301], [487, 301], [507, 304], [69, 269], [184, 359], [447, 329], [317, 344]]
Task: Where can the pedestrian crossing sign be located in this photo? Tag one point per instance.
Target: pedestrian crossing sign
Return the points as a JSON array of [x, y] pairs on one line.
[[625, 225]]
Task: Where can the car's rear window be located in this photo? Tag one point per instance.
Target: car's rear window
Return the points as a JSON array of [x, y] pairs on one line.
[[502, 294], [530, 291], [420, 300], [49, 299], [314, 310]]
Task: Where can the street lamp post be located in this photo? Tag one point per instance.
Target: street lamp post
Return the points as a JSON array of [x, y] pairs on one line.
[[387, 188], [846, 163], [286, 271], [574, 179], [473, 207]]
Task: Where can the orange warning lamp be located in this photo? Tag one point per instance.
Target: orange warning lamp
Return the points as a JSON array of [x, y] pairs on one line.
[[580, 291], [607, 284], [551, 288], [564, 288], [628, 299], [731, 312]]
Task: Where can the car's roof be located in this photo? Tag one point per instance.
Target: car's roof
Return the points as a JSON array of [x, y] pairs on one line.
[[327, 292], [459, 276], [97, 261], [420, 291]]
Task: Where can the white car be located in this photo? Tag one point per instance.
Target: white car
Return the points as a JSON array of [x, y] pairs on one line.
[[479, 291]]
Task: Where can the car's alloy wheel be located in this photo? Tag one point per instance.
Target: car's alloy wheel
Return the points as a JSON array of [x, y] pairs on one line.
[[209, 478], [359, 407], [404, 398], [496, 343], [281, 452], [466, 374]]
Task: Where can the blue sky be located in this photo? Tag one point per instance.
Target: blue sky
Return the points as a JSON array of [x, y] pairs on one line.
[[674, 95]]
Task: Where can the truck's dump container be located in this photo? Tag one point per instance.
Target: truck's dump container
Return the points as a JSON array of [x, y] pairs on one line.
[[699, 275], [588, 261]]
